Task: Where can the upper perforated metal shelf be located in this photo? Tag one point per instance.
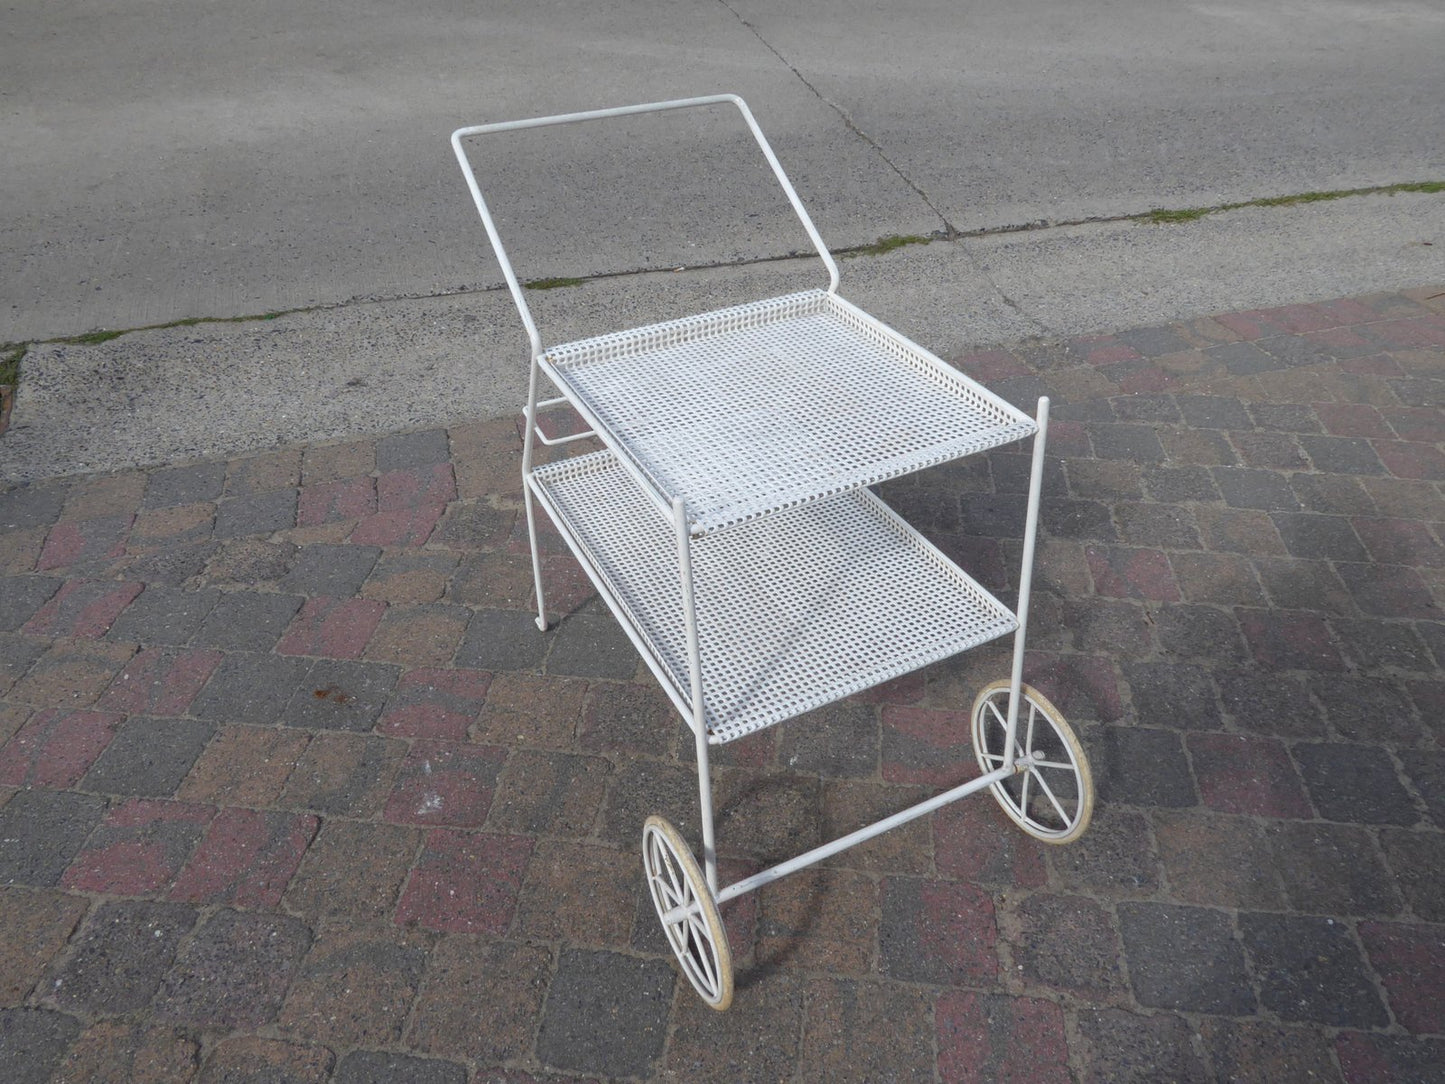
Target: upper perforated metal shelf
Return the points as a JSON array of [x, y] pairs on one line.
[[749, 410]]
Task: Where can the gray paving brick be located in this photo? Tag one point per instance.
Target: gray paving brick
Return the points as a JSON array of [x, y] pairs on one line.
[[41, 831], [251, 688], [164, 615], [1331, 869], [1355, 783], [33, 1042], [503, 640], [1247, 487], [21, 596], [1341, 455], [1127, 1048], [1138, 443], [36, 505], [1330, 538], [591, 645], [116, 963], [247, 621], [341, 695], [1141, 766], [330, 571], [148, 757], [1214, 412], [184, 485], [375, 1067], [403, 450], [606, 1013], [1184, 958], [1310, 968], [262, 513]]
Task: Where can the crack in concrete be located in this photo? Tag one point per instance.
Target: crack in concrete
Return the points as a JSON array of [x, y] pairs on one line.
[[949, 233]]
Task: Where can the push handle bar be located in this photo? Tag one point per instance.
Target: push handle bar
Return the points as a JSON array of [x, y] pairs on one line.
[[602, 114]]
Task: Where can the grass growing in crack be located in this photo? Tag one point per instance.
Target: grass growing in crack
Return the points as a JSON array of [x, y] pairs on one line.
[[552, 284], [11, 355], [1162, 216], [885, 244]]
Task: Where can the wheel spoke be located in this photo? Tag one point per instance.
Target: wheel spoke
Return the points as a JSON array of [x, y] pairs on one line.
[[1048, 791]]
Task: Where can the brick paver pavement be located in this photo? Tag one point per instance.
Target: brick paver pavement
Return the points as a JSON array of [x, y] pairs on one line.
[[292, 789]]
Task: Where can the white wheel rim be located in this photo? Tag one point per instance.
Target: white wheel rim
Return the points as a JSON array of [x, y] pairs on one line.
[[1050, 798], [678, 889]]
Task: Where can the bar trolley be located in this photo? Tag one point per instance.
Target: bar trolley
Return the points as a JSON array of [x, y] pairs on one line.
[[727, 522]]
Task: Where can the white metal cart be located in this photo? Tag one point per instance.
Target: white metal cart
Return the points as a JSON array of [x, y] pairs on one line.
[[728, 525]]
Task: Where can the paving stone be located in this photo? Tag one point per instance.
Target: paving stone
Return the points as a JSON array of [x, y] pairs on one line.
[[116, 963], [532, 710], [1063, 943], [1289, 640], [507, 640], [159, 681], [446, 783], [754, 1042], [85, 542], [74, 673], [580, 893], [22, 596], [606, 1013], [1399, 542], [1201, 632], [1341, 455], [250, 562], [252, 688], [41, 831], [1249, 487], [1426, 769], [1081, 687], [1085, 520], [621, 717], [984, 1037], [337, 628], [409, 503], [1171, 485], [852, 804], [138, 848], [840, 741], [56, 747], [465, 882], [926, 745], [375, 1067], [341, 695], [1331, 869], [148, 756], [1294, 583], [1125, 572], [593, 646], [1184, 958], [973, 841], [1354, 783], [1330, 538], [1097, 623], [1365, 1057], [411, 578], [17, 655], [1217, 861], [418, 635], [253, 1060], [173, 486], [473, 525], [155, 531], [435, 703], [1198, 447], [1115, 857], [35, 924], [820, 919], [1410, 960], [353, 872], [503, 983], [550, 793], [1366, 710], [1243, 359], [1141, 766], [82, 608], [20, 549], [257, 514], [1238, 530], [1333, 494], [337, 501], [1248, 775], [936, 932], [416, 449], [1180, 694], [356, 986], [33, 1042], [332, 571], [856, 1031], [244, 766], [1310, 969], [245, 859], [1374, 644], [344, 774], [1388, 591], [1287, 417], [139, 1053], [1245, 1050], [1137, 443], [233, 973], [247, 621]]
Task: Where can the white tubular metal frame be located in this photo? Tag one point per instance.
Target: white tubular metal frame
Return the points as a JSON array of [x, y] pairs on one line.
[[783, 535]]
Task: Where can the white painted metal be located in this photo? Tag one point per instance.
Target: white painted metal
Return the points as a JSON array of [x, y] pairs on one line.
[[756, 408], [794, 611], [728, 526], [1026, 573]]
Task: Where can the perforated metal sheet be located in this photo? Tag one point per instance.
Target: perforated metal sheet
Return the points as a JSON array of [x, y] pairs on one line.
[[749, 410], [794, 610]]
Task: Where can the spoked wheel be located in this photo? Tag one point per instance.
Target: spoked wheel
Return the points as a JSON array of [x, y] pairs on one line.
[[688, 913], [1051, 797]]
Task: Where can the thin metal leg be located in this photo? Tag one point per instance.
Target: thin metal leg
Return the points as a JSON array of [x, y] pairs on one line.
[[699, 715], [1026, 579], [528, 438]]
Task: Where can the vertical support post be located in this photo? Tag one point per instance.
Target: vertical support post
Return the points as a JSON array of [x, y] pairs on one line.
[[1026, 578], [699, 716], [528, 439]]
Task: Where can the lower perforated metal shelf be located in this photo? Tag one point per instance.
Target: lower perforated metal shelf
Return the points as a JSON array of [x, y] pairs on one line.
[[794, 611]]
